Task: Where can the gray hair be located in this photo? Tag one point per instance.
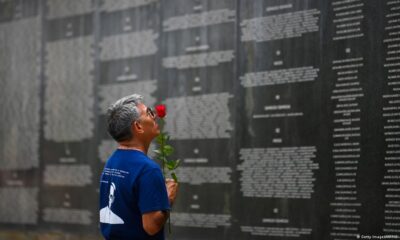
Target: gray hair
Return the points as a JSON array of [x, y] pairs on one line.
[[121, 115]]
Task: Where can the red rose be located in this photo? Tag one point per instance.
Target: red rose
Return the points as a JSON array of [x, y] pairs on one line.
[[161, 110]]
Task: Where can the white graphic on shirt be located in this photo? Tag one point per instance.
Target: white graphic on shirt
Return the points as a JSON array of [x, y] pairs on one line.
[[106, 215]]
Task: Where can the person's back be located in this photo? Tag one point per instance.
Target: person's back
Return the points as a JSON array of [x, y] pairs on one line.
[[134, 197], [125, 196]]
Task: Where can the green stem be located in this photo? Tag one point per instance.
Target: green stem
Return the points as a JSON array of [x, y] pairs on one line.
[[163, 164], [162, 146]]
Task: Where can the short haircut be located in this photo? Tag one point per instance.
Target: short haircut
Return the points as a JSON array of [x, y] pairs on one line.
[[121, 115]]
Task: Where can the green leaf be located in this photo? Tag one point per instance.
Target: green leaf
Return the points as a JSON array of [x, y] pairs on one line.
[[157, 151], [161, 138], [170, 165], [173, 164], [177, 162], [173, 175], [168, 150]]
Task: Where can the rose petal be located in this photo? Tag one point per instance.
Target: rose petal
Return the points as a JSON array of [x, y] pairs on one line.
[[161, 110]]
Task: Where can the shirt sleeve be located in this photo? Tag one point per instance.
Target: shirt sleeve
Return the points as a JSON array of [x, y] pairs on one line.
[[152, 194]]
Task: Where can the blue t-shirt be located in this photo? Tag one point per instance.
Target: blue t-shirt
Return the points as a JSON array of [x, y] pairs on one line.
[[131, 184]]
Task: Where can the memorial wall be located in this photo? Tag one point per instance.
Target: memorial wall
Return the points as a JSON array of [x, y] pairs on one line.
[[285, 113]]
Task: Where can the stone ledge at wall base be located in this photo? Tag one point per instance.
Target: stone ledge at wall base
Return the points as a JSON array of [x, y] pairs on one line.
[[19, 235]]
